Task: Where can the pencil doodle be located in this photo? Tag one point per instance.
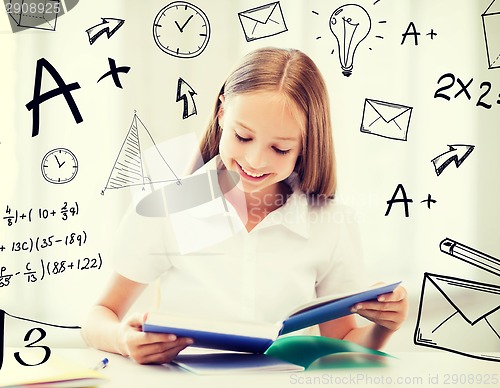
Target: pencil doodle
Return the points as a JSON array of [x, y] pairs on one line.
[[130, 168], [263, 21], [181, 29], [460, 315], [491, 19], [470, 255], [457, 153], [107, 25], [186, 94], [386, 119]]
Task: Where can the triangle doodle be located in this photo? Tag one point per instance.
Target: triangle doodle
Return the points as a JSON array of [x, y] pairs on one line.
[[131, 168]]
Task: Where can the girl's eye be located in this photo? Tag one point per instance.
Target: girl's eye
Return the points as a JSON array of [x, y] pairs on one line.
[[247, 139], [242, 139], [281, 152]]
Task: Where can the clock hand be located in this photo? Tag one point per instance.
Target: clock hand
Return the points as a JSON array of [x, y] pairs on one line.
[[59, 164], [181, 29]]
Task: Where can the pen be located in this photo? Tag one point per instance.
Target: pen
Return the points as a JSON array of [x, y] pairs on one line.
[[102, 364], [470, 255]]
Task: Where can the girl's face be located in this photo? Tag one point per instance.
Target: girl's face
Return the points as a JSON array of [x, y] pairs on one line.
[[261, 138]]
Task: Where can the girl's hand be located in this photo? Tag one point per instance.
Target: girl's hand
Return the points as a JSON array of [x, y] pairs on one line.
[[389, 310], [148, 348]]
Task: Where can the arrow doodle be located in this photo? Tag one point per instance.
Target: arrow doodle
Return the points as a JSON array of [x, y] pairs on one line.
[[108, 26], [183, 90], [457, 153]]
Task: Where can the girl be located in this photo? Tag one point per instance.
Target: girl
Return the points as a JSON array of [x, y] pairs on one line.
[[271, 128]]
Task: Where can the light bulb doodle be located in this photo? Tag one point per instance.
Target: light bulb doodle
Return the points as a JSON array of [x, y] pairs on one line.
[[350, 24]]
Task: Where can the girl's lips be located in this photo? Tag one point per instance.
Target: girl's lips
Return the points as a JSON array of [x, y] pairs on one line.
[[247, 176]]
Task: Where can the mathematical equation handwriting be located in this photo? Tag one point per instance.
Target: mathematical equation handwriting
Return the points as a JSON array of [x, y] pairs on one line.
[[50, 268], [14, 216], [39, 243]]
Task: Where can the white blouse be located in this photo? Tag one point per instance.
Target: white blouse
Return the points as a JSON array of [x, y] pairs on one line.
[[296, 253]]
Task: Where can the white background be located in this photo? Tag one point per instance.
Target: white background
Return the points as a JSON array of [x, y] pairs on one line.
[[369, 167]]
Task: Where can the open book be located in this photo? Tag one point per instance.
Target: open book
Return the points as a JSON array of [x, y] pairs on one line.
[[294, 353], [257, 337]]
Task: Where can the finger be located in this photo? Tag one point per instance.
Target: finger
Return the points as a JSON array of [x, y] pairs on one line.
[[376, 306], [160, 347], [152, 354], [135, 321], [151, 338], [388, 319], [137, 343], [397, 295]]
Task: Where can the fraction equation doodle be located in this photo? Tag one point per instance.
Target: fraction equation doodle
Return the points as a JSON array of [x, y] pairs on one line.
[[50, 268], [13, 216]]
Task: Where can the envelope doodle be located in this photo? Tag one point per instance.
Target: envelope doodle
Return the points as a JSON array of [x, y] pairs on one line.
[[386, 119], [448, 319], [262, 22]]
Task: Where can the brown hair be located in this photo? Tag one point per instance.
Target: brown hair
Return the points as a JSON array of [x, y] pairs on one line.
[[294, 74]]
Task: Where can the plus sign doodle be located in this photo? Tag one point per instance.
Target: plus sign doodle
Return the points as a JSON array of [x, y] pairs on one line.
[[113, 72]]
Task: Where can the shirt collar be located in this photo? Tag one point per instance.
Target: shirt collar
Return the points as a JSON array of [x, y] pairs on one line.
[[293, 215]]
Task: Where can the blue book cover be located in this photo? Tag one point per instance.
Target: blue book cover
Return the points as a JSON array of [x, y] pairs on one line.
[[334, 309], [216, 340], [257, 337]]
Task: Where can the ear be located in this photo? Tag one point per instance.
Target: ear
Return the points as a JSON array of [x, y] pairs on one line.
[[220, 112]]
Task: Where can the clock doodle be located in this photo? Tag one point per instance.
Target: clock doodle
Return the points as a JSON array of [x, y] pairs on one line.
[[181, 29], [59, 166]]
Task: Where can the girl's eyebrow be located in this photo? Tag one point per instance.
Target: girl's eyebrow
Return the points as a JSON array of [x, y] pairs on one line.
[[281, 138], [244, 126]]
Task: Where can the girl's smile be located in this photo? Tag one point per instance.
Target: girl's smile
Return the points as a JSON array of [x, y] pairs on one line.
[[252, 176]]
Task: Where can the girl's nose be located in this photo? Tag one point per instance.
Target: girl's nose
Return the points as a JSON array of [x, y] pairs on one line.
[[256, 157]]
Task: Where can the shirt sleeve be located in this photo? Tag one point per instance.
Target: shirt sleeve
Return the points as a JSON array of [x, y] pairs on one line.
[[139, 247], [345, 269]]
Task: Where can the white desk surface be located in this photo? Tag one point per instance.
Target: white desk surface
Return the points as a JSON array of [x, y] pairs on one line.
[[420, 368]]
